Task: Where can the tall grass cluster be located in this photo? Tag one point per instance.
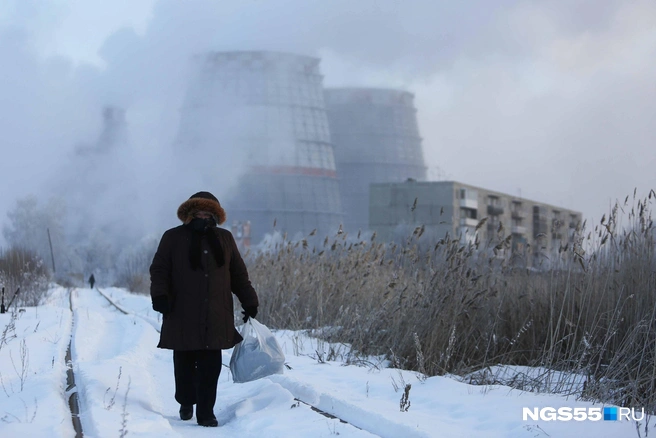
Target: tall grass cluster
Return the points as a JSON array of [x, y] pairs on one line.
[[454, 307], [24, 271]]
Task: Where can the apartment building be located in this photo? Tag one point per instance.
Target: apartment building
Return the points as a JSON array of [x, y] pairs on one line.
[[442, 207]]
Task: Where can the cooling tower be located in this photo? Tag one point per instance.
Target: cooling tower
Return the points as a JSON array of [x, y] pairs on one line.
[[376, 140], [268, 109]]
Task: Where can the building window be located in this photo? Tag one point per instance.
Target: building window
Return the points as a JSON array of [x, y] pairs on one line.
[[468, 213], [468, 194], [573, 220], [556, 222], [516, 207]]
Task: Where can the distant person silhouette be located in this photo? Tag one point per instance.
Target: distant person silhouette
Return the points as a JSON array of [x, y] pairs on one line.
[[92, 281]]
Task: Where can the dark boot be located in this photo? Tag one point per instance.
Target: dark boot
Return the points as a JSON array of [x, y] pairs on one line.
[[210, 422], [186, 412]]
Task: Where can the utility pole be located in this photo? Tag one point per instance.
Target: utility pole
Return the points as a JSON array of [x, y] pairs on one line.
[[52, 255]]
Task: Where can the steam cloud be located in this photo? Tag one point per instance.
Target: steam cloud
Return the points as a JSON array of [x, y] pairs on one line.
[[553, 100]]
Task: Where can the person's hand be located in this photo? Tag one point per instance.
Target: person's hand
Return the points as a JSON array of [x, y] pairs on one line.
[[161, 304], [249, 312]]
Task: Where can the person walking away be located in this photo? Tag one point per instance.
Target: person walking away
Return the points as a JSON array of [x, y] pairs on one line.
[[195, 271], [92, 281]]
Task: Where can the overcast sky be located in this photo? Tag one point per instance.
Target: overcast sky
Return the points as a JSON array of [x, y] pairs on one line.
[[551, 100]]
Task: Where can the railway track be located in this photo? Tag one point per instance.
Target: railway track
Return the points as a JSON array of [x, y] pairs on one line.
[[71, 387]]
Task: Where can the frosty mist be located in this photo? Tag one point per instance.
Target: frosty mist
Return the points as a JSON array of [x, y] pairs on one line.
[[552, 99]]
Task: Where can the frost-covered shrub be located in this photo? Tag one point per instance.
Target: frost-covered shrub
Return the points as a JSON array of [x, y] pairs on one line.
[[24, 269]]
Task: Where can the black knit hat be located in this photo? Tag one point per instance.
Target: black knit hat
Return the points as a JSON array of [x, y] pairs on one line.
[[201, 201]]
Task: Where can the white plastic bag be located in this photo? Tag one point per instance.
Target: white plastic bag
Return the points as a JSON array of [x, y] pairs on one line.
[[258, 355]]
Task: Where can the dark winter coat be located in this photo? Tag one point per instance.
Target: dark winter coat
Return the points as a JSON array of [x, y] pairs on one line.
[[201, 316]]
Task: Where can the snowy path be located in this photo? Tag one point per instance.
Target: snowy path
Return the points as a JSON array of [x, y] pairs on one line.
[[107, 341], [112, 351], [107, 344]]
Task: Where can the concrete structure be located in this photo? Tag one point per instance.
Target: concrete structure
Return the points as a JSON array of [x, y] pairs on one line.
[[113, 134], [267, 110], [114, 129], [376, 140], [457, 209]]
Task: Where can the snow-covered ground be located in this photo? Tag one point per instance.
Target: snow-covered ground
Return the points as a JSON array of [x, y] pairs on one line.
[[125, 385]]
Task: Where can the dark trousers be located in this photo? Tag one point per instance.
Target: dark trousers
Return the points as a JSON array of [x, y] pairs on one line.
[[196, 377]]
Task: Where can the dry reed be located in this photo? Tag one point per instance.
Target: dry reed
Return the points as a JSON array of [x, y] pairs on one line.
[[467, 307]]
